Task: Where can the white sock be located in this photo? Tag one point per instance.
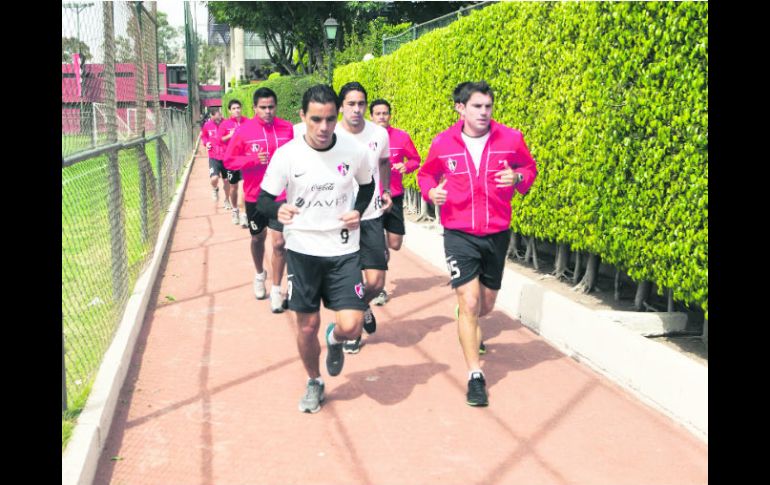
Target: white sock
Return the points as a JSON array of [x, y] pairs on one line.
[[317, 379], [262, 276], [275, 290], [331, 340], [470, 374]]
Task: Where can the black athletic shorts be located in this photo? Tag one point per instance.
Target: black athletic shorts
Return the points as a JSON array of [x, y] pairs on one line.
[[257, 220], [374, 254], [275, 225], [216, 168], [233, 176], [393, 221], [335, 279], [468, 256]]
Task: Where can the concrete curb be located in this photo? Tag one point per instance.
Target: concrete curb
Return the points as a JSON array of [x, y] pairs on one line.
[[659, 376], [81, 457]]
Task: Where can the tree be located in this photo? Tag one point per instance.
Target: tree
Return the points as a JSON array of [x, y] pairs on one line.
[[168, 40], [124, 49], [209, 57], [71, 45]]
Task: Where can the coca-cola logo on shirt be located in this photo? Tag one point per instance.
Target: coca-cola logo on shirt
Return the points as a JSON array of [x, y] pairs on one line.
[[322, 187]]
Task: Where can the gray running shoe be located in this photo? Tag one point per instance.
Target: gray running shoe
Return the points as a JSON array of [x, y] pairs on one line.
[[314, 396], [477, 390], [244, 220], [235, 217], [215, 193], [352, 346], [259, 286], [228, 206], [381, 299], [276, 302], [334, 356]]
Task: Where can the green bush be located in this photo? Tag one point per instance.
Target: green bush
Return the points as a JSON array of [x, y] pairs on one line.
[[612, 98], [273, 75], [289, 90]]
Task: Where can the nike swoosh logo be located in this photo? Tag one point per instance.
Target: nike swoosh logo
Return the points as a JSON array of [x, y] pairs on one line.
[[299, 174]]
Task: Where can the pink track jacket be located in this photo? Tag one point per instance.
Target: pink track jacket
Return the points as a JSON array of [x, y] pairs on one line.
[[475, 204], [209, 134], [252, 137], [401, 147]]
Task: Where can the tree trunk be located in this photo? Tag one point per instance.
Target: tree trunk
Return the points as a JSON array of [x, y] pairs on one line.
[[588, 282], [576, 271], [513, 248], [531, 252], [642, 293], [670, 306], [617, 284], [424, 216], [560, 266]]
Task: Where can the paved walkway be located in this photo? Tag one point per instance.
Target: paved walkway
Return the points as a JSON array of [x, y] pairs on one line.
[[211, 396]]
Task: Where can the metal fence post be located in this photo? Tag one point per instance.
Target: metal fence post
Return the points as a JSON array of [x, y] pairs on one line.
[[115, 196], [141, 114], [159, 125]]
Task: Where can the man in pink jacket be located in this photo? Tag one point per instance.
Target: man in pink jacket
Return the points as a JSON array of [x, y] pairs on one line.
[[224, 135], [249, 151], [216, 169], [403, 159], [472, 172]]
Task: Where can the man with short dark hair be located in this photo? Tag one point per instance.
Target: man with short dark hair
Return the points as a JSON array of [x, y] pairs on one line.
[[472, 172], [403, 159], [224, 135], [320, 170], [249, 151], [374, 258]]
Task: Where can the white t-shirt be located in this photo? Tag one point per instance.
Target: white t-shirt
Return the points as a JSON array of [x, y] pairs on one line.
[[475, 147], [375, 139], [300, 129], [322, 185]]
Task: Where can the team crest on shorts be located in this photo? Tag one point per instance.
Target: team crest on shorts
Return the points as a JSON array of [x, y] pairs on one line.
[[360, 290], [452, 164], [343, 168]]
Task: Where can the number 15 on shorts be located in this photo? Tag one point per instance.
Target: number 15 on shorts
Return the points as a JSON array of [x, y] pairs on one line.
[[451, 265]]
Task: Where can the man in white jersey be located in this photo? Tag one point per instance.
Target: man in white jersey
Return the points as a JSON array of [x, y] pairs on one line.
[[321, 216], [374, 251]]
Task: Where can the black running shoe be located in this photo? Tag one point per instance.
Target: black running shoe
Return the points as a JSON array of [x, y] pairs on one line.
[[334, 356], [352, 346], [477, 390], [482, 348], [370, 323]]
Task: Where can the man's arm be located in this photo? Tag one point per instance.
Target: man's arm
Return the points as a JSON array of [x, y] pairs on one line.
[[412, 157], [430, 172], [526, 166]]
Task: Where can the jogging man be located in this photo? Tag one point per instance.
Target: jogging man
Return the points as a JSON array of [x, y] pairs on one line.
[[403, 159], [374, 259], [224, 134], [472, 171], [319, 172], [249, 151], [216, 169]]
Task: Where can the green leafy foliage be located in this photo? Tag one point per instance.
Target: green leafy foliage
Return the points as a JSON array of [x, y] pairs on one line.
[[289, 90], [612, 98]]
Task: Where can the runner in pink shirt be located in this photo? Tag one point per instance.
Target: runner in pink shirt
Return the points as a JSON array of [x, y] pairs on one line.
[[250, 151], [472, 172], [216, 169], [224, 134], [403, 159]]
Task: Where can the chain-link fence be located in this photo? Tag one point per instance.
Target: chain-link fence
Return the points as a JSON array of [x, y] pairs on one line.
[[390, 44], [122, 158]]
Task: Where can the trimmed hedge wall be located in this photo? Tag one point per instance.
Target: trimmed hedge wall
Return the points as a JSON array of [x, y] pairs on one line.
[[289, 90], [612, 98]]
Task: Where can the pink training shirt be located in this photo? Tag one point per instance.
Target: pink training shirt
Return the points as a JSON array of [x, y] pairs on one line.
[[401, 150], [224, 129], [209, 134], [475, 204], [251, 138]]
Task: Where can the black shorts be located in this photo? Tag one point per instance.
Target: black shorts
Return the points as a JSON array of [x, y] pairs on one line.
[[374, 254], [275, 225], [216, 169], [233, 176], [257, 220], [393, 221], [335, 279], [468, 256]]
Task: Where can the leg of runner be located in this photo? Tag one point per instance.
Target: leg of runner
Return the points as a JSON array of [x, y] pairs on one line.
[[278, 263], [258, 255]]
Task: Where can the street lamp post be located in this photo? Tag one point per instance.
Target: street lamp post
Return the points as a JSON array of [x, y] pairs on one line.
[[330, 26], [78, 8]]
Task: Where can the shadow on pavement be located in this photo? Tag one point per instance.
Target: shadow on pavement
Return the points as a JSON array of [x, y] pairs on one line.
[[387, 385]]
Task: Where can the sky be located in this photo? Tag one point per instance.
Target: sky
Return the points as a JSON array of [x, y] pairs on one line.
[[175, 11]]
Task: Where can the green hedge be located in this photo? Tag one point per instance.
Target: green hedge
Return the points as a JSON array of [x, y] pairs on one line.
[[612, 98], [289, 90]]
